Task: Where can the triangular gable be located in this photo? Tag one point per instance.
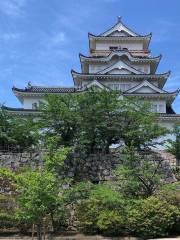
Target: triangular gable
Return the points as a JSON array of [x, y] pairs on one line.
[[145, 87], [119, 28], [119, 71], [95, 83], [118, 33], [120, 66]]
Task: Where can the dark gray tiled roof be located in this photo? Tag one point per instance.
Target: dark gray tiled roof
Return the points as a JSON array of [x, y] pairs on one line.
[[37, 89], [18, 109]]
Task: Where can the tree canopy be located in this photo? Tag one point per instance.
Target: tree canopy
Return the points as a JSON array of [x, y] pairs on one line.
[[17, 132], [94, 120]]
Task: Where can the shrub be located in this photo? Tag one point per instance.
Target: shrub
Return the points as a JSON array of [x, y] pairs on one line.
[[8, 221], [107, 212], [171, 194], [110, 222], [152, 217], [102, 212]]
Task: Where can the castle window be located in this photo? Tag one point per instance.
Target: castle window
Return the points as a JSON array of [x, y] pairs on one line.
[[113, 48], [122, 86], [161, 108], [154, 108], [34, 105], [146, 69], [125, 86], [158, 108]]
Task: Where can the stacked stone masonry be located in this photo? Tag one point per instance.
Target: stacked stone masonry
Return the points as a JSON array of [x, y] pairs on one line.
[[97, 167]]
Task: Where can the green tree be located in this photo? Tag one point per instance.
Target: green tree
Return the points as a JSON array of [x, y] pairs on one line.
[[174, 146], [139, 174], [38, 195], [17, 132], [140, 126], [92, 121], [54, 160], [60, 118], [39, 198]]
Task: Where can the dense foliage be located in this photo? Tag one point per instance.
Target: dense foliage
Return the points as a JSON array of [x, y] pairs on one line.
[[17, 132], [174, 146], [139, 174], [108, 212], [137, 201], [91, 122]]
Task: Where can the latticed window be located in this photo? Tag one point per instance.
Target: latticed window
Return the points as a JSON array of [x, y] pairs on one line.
[[154, 108], [34, 105], [158, 107], [161, 108], [113, 48], [120, 86]]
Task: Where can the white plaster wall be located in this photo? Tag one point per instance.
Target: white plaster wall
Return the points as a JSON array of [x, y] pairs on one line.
[[119, 71], [133, 83], [145, 90], [118, 33], [96, 67], [129, 45], [145, 68], [107, 82], [28, 101]]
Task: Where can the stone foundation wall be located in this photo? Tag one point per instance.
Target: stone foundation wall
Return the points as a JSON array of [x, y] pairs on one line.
[[94, 167], [15, 161]]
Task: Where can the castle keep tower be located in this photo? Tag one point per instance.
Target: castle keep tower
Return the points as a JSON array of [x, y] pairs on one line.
[[119, 59]]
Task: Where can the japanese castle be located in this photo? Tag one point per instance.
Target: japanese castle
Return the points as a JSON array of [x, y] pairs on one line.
[[119, 59]]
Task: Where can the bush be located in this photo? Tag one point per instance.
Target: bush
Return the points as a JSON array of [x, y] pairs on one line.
[[7, 212], [152, 217], [171, 194], [8, 221], [107, 212], [102, 212]]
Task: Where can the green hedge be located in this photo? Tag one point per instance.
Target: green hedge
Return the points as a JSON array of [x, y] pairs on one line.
[[108, 213]]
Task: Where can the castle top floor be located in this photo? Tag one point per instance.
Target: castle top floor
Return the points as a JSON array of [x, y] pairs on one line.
[[118, 38]]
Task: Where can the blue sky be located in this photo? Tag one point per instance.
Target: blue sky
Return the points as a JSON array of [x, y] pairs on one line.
[[40, 39]]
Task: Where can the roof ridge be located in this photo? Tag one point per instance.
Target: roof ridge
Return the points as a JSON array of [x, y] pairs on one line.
[[119, 22]]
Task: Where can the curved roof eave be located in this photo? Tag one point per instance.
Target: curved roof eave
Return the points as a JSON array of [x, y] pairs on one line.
[[120, 53], [165, 75], [147, 36]]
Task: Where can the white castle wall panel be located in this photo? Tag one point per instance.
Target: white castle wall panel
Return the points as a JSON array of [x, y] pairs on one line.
[[130, 45]]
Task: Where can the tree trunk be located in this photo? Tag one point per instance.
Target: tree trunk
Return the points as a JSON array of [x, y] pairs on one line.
[[44, 232], [53, 223], [39, 231], [33, 232]]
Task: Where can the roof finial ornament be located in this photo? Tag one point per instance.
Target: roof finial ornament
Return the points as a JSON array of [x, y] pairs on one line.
[[119, 19]]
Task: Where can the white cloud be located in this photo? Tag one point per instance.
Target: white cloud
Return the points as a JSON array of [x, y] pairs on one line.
[[12, 7], [10, 36], [58, 38], [53, 45]]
